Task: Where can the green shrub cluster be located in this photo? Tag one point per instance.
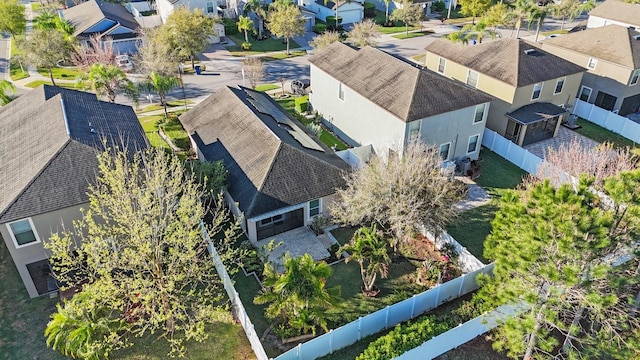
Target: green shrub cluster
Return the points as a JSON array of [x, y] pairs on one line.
[[230, 26], [319, 28], [246, 46], [331, 22], [302, 103], [369, 9], [438, 6]]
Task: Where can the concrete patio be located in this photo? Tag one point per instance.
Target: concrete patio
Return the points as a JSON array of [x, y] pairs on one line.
[[565, 136], [297, 242]]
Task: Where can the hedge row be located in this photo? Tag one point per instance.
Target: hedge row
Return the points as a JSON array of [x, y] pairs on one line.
[[302, 103]]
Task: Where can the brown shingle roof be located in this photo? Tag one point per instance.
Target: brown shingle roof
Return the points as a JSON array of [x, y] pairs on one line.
[[87, 14], [613, 43], [405, 90], [506, 60], [618, 11]]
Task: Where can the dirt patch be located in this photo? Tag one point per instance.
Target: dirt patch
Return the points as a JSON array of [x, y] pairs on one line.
[[476, 349], [419, 249]]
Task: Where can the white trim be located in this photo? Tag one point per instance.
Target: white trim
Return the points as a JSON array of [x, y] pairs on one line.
[[419, 131], [448, 150], [283, 210], [444, 66], [484, 113], [469, 143], [469, 71], [13, 237], [309, 208], [593, 61], [534, 91], [564, 80], [580, 93]]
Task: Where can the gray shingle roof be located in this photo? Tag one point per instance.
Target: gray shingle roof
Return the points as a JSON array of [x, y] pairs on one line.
[[268, 168], [613, 43], [536, 112], [48, 149], [619, 11], [405, 90], [87, 14], [506, 60]]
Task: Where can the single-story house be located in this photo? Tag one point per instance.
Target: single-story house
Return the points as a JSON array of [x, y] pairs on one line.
[[280, 175], [50, 137], [370, 97], [350, 11], [615, 12]]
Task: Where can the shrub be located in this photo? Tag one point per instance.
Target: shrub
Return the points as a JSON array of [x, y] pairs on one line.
[[302, 103], [369, 9], [438, 6], [319, 222], [405, 337], [246, 46], [230, 27], [319, 28], [331, 22], [316, 129]]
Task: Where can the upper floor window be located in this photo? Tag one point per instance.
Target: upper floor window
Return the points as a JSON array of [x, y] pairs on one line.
[[414, 129], [479, 115], [473, 144], [340, 92], [537, 89], [315, 207], [472, 78], [23, 232], [592, 63], [442, 62], [559, 86], [634, 77], [210, 7]]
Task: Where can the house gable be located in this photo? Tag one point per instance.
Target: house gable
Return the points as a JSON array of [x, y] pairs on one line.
[[618, 11]]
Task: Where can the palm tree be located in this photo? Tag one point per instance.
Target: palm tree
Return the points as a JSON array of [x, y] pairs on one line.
[[107, 80], [520, 10], [369, 250], [537, 15], [255, 7], [4, 87], [245, 24], [45, 20], [161, 85], [386, 11], [298, 296]]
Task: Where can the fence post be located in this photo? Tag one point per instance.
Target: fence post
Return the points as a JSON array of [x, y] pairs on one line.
[[437, 296], [331, 341], [461, 278], [386, 318], [300, 351], [591, 112], [360, 328], [493, 141]]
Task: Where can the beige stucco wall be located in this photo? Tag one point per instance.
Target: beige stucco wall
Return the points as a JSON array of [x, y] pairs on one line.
[[45, 225]]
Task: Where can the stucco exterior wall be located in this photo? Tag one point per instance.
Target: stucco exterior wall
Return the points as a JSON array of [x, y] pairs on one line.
[[595, 21], [45, 225], [349, 12]]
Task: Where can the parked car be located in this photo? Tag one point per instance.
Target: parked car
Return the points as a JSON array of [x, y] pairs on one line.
[[124, 63]]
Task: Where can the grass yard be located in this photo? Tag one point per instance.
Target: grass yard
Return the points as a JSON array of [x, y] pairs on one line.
[[61, 73], [343, 234], [174, 130], [398, 25], [170, 104], [34, 84], [267, 87], [283, 55], [414, 34], [554, 32], [36, 6], [15, 71], [326, 137], [150, 126], [419, 58], [600, 134], [456, 17], [258, 47], [497, 172]]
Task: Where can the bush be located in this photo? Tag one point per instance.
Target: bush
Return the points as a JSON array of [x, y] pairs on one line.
[[331, 22], [246, 46], [438, 6], [302, 103], [369, 9], [405, 337], [316, 129], [230, 26], [319, 28]]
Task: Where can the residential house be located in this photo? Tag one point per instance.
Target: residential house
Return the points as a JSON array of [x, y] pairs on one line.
[[106, 20], [615, 12], [223, 8], [280, 174], [50, 137], [350, 11], [611, 55], [532, 88], [370, 97]]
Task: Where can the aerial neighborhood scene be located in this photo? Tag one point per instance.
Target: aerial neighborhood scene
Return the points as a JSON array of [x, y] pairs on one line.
[[317, 179]]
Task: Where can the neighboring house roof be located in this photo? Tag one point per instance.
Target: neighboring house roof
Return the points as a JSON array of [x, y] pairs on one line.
[[50, 137], [84, 16], [332, 5], [509, 60], [618, 11], [536, 112], [408, 91], [613, 43], [268, 167]]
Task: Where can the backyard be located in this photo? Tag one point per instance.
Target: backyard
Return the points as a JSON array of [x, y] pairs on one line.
[[600, 134]]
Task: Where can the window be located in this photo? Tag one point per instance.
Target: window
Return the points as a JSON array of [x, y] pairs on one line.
[[479, 113], [340, 92], [472, 78], [537, 88], [559, 86], [441, 64], [23, 233], [315, 207], [473, 144], [210, 7], [272, 220], [634, 77], [585, 93], [592, 63], [444, 151], [414, 129]]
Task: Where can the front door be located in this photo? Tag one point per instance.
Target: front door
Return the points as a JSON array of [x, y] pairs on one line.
[[605, 101]]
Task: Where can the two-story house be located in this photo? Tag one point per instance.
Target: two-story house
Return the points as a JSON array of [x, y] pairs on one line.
[[50, 138], [615, 12], [224, 8], [280, 175], [611, 55], [349, 11], [369, 97], [531, 87]]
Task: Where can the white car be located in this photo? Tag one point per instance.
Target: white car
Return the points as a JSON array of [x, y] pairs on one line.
[[123, 62]]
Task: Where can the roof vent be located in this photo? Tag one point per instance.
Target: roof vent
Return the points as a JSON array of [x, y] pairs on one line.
[[637, 37], [530, 51], [93, 131]]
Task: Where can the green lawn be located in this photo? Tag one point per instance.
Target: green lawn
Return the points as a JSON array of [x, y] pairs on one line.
[[15, 71], [456, 17], [61, 73], [34, 84], [398, 25], [35, 6], [343, 234], [419, 58], [258, 47], [267, 87], [326, 137], [600, 134], [283, 55], [170, 104], [174, 130], [553, 32], [413, 34], [150, 126], [497, 172]]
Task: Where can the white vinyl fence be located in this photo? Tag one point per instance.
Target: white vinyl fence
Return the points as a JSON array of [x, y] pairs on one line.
[[510, 151], [608, 120], [241, 313], [385, 318], [466, 260]]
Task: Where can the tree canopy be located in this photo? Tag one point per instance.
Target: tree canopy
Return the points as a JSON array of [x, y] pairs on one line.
[[286, 21], [12, 18], [408, 12], [139, 252], [108, 80], [474, 8], [325, 39], [45, 49], [364, 34], [155, 54], [187, 32]]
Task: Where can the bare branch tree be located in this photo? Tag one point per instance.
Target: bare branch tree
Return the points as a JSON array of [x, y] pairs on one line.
[[254, 70], [364, 34], [323, 40], [95, 52]]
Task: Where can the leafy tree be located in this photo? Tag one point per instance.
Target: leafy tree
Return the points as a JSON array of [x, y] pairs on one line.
[[474, 8], [497, 15], [4, 87], [408, 12], [212, 175], [254, 70], [155, 54], [256, 7], [286, 22], [519, 11], [45, 49], [96, 52], [364, 34], [187, 32], [325, 39], [12, 18], [369, 249], [552, 249], [298, 296], [45, 20], [108, 80], [245, 24], [569, 9], [161, 85], [399, 194], [140, 249]]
